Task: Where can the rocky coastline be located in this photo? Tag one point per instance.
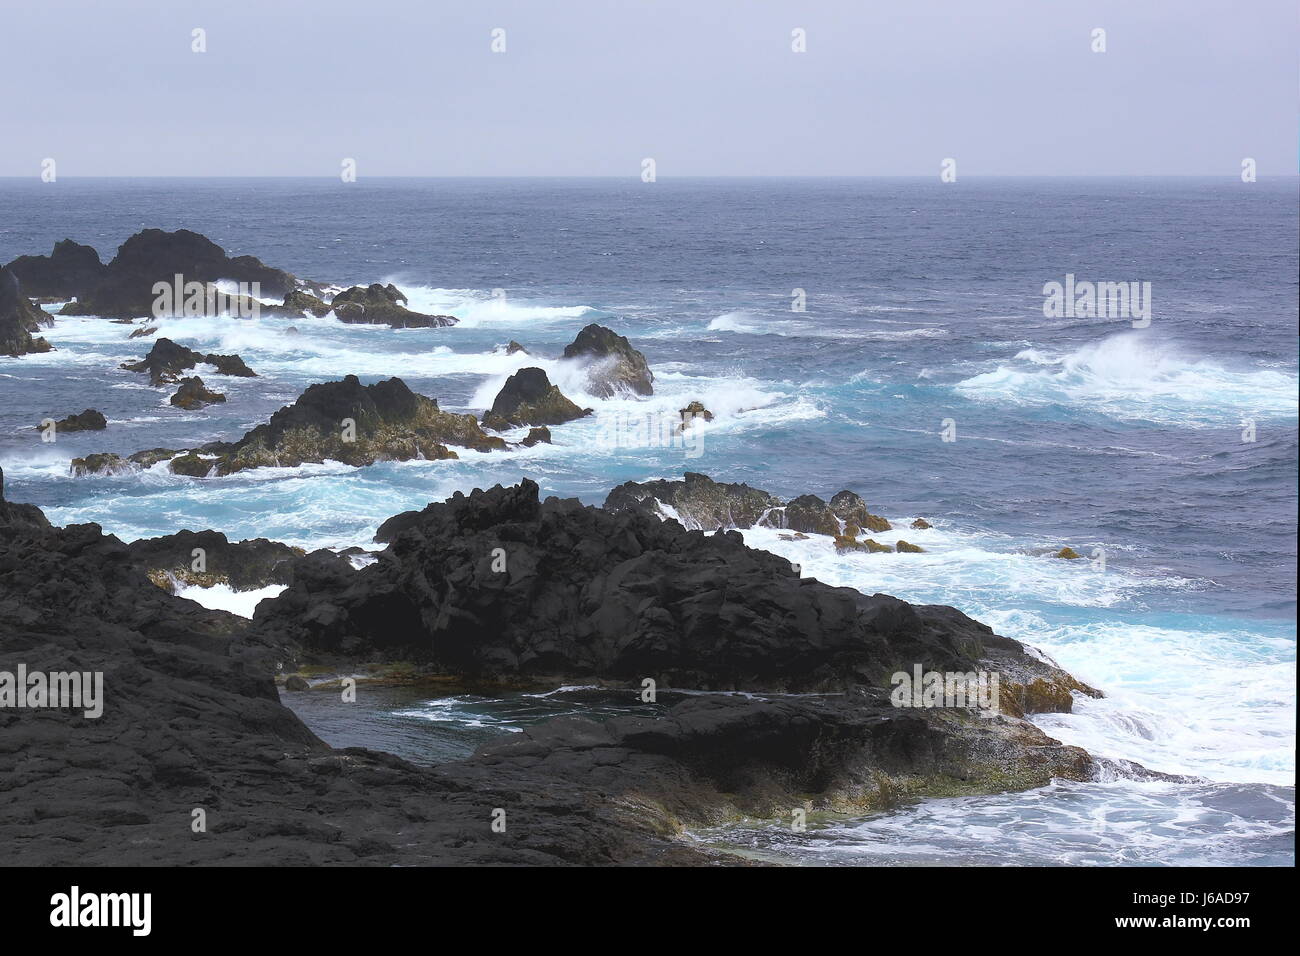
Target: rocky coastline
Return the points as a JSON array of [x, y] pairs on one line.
[[192, 719]]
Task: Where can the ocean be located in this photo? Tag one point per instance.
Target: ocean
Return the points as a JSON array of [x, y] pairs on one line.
[[1169, 451]]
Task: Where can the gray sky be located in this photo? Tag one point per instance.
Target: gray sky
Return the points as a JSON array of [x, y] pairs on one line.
[[706, 87]]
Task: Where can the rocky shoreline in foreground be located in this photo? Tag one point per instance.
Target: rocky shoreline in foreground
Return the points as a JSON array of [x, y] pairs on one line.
[[192, 719]]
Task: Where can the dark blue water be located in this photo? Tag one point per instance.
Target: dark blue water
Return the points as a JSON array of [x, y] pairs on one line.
[[924, 304]]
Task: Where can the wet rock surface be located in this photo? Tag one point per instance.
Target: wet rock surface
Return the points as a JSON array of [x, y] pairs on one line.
[[19, 318], [529, 398], [613, 366], [382, 305]]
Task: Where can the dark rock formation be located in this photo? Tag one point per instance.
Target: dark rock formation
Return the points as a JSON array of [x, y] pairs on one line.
[[382, 305], [124, 289], [589, 594], [512, 347], [1067, 553], [70, 270], [191, 720], [693, 411], [192, 394], [90, 420], [389, 422], [529, 398], [167, 360], [698, 502], [613, 366], [902, 547], [921, 524], [144, 332], [19, 319], [298, 302], [537, 436], [241, 565], [15, 517]]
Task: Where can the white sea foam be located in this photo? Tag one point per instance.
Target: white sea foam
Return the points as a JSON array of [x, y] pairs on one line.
[[220, 597], [1133, 376]]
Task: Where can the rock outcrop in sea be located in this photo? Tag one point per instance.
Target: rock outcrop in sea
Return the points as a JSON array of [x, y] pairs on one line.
[[613, 366], [90, 420], [382, 305], [166, 362], [19, 318], [124, 287], [529, 398], [193, 394], [700, 502]]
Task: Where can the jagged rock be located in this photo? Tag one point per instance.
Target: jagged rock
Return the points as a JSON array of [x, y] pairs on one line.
[[151, 456], [144, 332], [811, 514], [389, 423], [241, 565], [90, 420], [1069, 554], [904, 548], [529, 398], [590, 594], [844, 543], [849, 507], [512, 347], [698, 502], [101, 464], [875, 547], [537, 436], [920, 524], [167, 360], [70, 270], [19, 319], [383, 305], [613, 366], [124, 288], [192, 394]]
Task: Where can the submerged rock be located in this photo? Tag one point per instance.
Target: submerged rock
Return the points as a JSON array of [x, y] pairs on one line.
[[904, 548], [299, 302], [512, 347], [382, 305], [920, 524], [167, 360], [529, 398], [537, 436], [1069, 554], [144, 332], [19, 319], [91, 420], [613, 366], [193, 394]]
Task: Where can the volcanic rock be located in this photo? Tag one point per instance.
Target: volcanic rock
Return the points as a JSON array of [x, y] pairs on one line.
[[167, 360], [192, 394], [70, 270], [613, 366], [382, 305], [19, 319], [90, 420], [698, 502], [529, 398]]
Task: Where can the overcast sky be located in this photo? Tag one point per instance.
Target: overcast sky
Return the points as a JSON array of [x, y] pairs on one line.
[[705, 87]]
